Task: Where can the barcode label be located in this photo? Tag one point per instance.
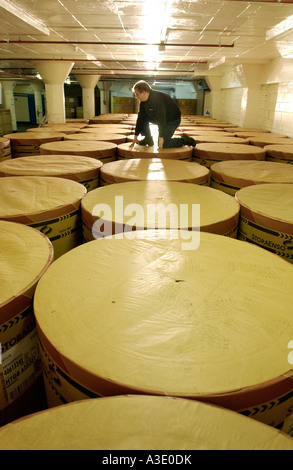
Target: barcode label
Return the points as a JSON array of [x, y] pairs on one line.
[[21, 365], [3, 392], [20, 388]]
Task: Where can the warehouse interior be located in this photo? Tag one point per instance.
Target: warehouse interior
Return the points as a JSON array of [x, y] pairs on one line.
[[146, 291], [240, 52]]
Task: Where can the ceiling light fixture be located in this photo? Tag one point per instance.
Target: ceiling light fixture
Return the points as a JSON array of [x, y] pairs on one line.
[[24, 16], [154, 27], [102, 43], [166, 14]]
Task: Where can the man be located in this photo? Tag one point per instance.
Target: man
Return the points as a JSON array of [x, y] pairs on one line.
[[158, 108]]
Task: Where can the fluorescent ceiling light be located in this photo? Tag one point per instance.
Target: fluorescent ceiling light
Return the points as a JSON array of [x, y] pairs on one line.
[[24, 16], [156, 14], [154, 27], [280, 28]]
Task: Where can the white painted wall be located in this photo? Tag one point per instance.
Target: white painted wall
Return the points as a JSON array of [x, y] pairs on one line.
[[255, 96], [231, 105], [276, 110]]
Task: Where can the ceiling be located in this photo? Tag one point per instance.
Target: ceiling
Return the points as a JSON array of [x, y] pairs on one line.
[[139, 39]]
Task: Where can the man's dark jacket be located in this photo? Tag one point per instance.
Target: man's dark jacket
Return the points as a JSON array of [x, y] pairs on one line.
[[159, 109]]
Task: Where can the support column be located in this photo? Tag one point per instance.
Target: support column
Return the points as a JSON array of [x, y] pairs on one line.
[[8, 101], [88, 84], [104, 88], [37, 89], [54, 75]]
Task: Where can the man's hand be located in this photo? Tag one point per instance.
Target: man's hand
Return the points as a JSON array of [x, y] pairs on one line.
[[135, 141], [161, 142]]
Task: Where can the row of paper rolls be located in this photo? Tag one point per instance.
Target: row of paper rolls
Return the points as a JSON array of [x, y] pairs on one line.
[[108, 147], [138, 306], [64, 218]]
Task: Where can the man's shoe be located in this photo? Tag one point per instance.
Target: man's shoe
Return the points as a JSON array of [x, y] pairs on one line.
[[146, 141], [188, 140]]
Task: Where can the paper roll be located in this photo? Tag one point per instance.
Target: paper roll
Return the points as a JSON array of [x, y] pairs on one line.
[[211, 324], [141, 423], [50, 204], [25, 255]]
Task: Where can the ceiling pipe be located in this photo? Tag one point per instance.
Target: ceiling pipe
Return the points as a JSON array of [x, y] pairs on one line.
[[84, 71], [13, 75], [109, 60], [263, 1], [143, 61], [103, 43]]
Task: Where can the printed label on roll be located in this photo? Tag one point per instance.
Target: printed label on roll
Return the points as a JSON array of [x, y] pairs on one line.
[[21, 366], [3, 392], [5, 153], [272, 410], [227, 188], [204, 161], [277, 242], [91, 183], [54, 228], [26, 149], [272, 158], [64, 232], [20, 356], [60, 388]]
